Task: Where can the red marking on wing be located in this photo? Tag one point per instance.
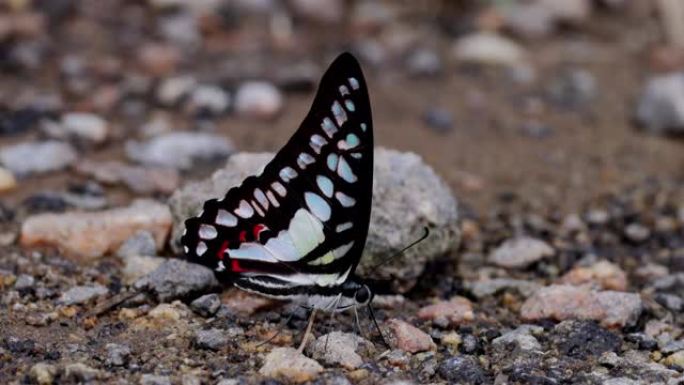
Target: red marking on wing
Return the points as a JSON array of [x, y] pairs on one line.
[[236, 268], [220, 254], [258, 229], [243, 236]]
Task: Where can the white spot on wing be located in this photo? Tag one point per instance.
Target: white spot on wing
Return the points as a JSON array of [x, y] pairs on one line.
[[201, 249], [342, 250], [343, 227], [287, 174], [332, 161], [304, 160], [317, 142], [272, 198], [279, 188], [258, 209], [220, 266], [306, 231], [328, 127], [325, 184], [245, 210], [207, 231], [349, 105], [318, 206], [338, 113], [344, 199], [344, 90], [224, 218], [354, 83], [186, 249], [345, 172], [261, 198]]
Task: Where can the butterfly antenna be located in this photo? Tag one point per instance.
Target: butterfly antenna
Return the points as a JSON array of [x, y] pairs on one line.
[[426, 233], [371, 313]]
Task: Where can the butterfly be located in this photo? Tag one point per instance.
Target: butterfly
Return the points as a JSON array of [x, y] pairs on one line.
[[297, 229]]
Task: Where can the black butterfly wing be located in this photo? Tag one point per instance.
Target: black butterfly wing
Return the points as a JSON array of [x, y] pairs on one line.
[[303, 221]]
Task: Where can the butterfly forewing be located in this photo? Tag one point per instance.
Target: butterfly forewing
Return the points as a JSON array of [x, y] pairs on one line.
[[303, 221]]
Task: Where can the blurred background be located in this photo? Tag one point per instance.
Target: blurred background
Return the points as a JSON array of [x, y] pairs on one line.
[[556, 101]]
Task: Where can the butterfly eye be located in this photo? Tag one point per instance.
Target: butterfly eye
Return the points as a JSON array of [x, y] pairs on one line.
[[362, 295]]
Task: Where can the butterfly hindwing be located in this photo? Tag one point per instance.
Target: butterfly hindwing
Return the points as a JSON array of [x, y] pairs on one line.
[[303, 220]]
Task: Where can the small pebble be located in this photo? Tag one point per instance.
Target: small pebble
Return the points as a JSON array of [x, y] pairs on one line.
[[206, 305], [454, 312], [209, 99], [260, 100], [212, 339], [7, 180], [152, 379], [82, 294], [520, 252], [404, 336], [290, 365], [37, 157], [462, 369], [117, 355], [179, 149], [42, 374], [637, 233], [440, 120]]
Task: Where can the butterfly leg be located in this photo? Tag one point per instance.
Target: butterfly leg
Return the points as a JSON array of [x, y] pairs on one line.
[[331, 320], [375, 322], [308, 331], [357, 323]]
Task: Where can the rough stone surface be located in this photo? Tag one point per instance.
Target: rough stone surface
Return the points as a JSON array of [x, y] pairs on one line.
[[42, 374], [179, 149], [206, 305], [178, 279], [488, 48], [456, 311], [562, 302], [407, 196], [338, 348], [37, 157], [520, 252], [140, 179], [211, 339], [462, 370], [289, 365], [258, 100], [602, 275], [89, 235], [661, 106], [82, 294], [489, 287], [140, 243], [404, 336], [117, 355], [523, 337], [136, 266], [582, 339]]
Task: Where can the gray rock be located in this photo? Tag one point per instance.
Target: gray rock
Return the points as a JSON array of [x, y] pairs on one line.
[[290, 365], [582, 339], [42, 374], [522, 337], [179, 149], [82, 294], [137, 266], [488, 48], [24, 282], [621, 381], [206, 305], [211, 339], [178, 279], [462, 369], [37, 157], [152, 379], [439, 119], [573, 88], [117, 355], [171, 90], [80, 125], [520, 252], [338, 348], [424, 62], [407, 196], [141, 243], [489, 287], [670, 301], [80, 372], [636, 232], [660, 108], [258, 100], [673, 346], [208, 98]]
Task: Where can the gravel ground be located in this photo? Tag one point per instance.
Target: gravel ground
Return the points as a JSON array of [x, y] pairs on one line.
[[539, 141]]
